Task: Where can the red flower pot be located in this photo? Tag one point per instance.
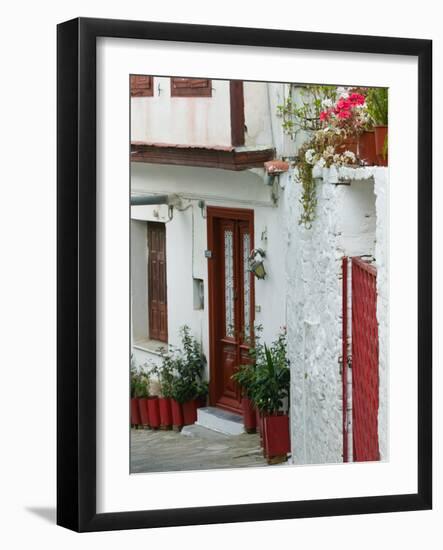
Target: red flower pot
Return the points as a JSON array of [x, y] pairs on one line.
[[277, 442], [135, 412], [349, 144], [164, 405], [249, 415], [143, 408], [189, 412], [366, 148], [177, 415], [154, 412], [381, 135]]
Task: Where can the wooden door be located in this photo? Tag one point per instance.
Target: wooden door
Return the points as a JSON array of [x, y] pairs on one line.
[[231, 292], [157, 290]]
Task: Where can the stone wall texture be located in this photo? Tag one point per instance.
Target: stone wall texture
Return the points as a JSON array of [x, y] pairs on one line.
[[350, 220]]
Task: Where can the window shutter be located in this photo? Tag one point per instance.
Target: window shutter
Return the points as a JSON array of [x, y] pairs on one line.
[[157, 290], [142, 86], [191, 87]]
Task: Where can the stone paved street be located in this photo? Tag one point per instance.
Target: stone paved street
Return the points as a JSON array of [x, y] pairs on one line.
[[196, 448]]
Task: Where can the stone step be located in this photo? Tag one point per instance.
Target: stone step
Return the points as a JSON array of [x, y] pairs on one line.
[[221, 421]]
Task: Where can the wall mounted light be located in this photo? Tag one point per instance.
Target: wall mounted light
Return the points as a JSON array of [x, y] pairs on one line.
[[256, 263]]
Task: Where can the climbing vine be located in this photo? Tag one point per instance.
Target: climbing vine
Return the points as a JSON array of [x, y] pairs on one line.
[[331, 116]]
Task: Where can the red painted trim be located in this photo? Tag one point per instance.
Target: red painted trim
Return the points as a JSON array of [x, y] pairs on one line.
[[200, 156], [345, 356], [237, 112], [365, 265]]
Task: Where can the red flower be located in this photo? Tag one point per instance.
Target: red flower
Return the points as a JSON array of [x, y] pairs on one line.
[[343, 104], [324, 115], [344, 114], [357, 99]]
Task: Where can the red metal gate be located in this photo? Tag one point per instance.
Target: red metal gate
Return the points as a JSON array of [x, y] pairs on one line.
[[364, 362]]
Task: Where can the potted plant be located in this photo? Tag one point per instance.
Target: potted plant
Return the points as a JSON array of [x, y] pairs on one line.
[[245, 378], [153, 405], [271, 393], [187, 385], [135, 411], [377, 105], [143, 396], [332, 121], [165, 378]]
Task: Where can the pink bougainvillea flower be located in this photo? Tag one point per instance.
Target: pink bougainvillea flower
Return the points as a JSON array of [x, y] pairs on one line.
[[344, 114], [357, 99], [324, 115], [344, 104]]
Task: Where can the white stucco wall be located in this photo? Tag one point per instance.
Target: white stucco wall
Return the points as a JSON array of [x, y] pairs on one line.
[[184, 120], [347, 224], [186, 241]]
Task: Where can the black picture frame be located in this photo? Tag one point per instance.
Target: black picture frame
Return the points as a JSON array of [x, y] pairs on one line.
[[76, 281]]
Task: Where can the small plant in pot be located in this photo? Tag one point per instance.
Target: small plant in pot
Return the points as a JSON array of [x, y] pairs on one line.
[[271, 395], [135, 412], [187, 364], [143, 396], [139, 395], [153, 405], [165, 376], [377, 105], [245, 378]]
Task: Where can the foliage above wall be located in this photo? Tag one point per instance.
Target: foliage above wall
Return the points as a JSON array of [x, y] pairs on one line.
[[332, 118]]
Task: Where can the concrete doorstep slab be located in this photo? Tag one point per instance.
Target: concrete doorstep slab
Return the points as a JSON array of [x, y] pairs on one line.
[[220, 421]]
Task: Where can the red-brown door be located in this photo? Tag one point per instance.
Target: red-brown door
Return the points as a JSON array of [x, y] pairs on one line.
[[157, 290], [231, 305]]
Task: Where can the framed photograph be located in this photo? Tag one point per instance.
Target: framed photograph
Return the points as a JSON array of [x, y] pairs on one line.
[[244, 274]]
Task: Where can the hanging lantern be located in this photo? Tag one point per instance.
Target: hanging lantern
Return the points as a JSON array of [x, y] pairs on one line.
[[256, 263]]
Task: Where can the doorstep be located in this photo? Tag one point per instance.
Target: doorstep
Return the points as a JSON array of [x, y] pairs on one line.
[[219, 420]]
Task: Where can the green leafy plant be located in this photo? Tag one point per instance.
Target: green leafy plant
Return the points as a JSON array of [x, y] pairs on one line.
[[303, 112], [377, 105], [140, 381], [182, 368], [265, 380], [272, 376]]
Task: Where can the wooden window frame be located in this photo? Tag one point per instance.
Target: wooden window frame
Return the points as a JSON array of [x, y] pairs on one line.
[[141, 88], [186, 89]]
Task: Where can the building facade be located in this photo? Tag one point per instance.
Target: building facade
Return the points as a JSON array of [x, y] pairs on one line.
[[206, 155]]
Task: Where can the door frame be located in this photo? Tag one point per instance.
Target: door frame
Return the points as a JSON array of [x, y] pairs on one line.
[[212, 214]]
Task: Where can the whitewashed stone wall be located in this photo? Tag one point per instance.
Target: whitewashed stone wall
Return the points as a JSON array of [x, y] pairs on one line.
[[348, 222], [382, 262]]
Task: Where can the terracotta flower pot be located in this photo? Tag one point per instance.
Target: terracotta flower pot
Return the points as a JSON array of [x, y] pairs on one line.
[[177, 415], [366, 148], [189, 412], [144, 412], [164, 405], [349, 144], [154, 412], [249, 415], [381, 135], [135, 412], [277, 441]]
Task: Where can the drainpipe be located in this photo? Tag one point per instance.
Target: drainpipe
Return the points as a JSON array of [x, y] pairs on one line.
[[145, 200]]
